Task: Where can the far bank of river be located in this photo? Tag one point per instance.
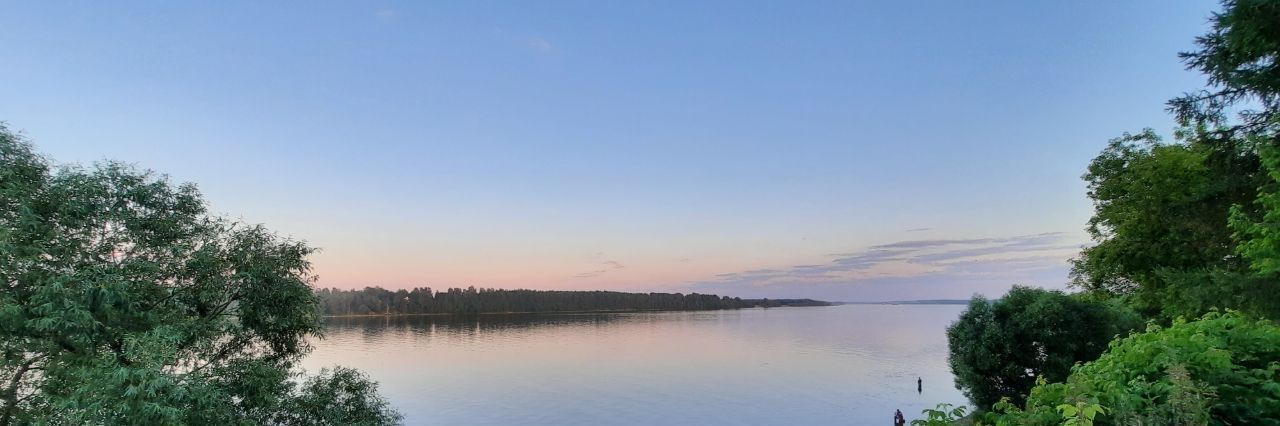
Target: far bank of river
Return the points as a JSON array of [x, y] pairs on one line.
[[600, 311]]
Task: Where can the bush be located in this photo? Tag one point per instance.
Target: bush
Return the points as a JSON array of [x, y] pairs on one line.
[[1223, 369], [998, 348]]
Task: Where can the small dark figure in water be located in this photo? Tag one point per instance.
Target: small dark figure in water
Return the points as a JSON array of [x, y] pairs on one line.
[[919, 385], [898, 420]]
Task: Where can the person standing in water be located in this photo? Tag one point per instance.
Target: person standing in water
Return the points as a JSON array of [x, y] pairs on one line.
[[919, 385], [898, 420]]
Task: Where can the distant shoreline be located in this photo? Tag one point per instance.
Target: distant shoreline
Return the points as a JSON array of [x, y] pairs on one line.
[[597, 311], [377, 301]]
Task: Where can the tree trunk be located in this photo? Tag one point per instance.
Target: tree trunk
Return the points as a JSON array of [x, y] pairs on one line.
[[10, 393]]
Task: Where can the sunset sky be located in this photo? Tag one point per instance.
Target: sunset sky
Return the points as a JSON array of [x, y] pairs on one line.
[[836, 150]]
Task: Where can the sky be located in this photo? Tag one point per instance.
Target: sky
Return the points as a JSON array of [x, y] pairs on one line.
[[842, 150]]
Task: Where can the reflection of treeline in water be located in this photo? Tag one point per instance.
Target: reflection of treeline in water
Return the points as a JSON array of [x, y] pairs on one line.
[[471, 300]]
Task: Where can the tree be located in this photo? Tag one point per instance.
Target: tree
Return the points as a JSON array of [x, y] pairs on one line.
[[122, 301], [342, 396], [998, 348], [1238, 57], [1258, 234], [1161, 210], [1181, 229]]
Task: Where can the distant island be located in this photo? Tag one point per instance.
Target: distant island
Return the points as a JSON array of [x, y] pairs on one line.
[[471, 300]]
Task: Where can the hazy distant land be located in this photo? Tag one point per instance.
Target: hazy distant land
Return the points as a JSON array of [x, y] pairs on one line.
[[471, 300]]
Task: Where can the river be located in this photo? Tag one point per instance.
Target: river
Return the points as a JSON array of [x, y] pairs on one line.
[[836, 365]]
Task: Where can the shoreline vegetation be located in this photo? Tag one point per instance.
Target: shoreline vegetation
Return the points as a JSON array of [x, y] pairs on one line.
[[423, 301], [1176, 318]]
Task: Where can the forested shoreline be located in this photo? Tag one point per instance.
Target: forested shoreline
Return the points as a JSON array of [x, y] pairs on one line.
[[471, 300]]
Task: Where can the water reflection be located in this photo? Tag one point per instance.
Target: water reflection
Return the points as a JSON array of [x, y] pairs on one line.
[[849, 364], [462, 324]]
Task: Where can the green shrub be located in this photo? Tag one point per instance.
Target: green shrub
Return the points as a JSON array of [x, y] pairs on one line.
[[999, 347], [1223, 369]]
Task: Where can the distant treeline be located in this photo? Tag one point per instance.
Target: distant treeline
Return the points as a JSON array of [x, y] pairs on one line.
[[471, 300]]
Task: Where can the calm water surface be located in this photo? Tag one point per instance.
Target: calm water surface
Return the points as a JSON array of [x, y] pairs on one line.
[[850, 365]]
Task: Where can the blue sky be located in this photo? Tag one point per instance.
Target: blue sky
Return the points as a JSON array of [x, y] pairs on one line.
[[652, 146]]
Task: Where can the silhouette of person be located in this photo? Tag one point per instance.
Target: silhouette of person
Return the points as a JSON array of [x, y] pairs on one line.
[[919, 385], [898, 420]]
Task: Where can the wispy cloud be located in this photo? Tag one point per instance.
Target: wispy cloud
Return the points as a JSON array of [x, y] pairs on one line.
[[386, 14], [603, 267], [918, 229], [590, 274], [997, 259]]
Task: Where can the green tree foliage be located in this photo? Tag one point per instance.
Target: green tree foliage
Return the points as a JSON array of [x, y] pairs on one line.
[[1239, 58], [1260, 240], [1181, 229], [998, 348], [1164, 213], [1161, 211], [1080, 413], [1223, 369], [123, 302], [471, 300], [341, 396]]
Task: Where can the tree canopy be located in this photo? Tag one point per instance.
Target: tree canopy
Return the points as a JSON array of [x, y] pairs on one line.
[[1161, 210], [998, 348], [1182, 227], [1238, 59], [122, 301]]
